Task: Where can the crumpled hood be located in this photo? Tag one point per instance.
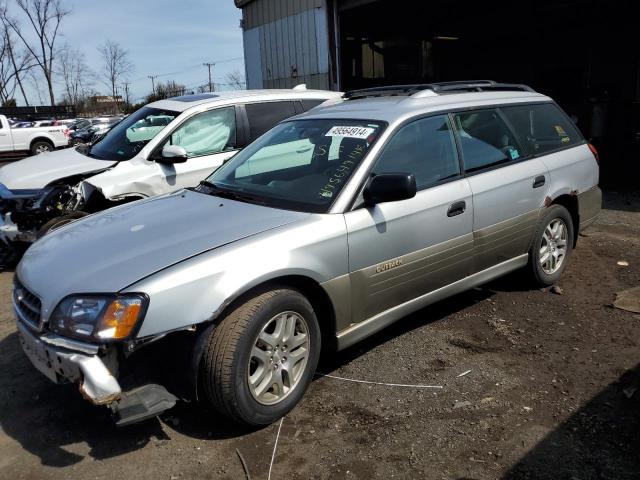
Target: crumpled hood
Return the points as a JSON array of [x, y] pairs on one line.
[[36, 172], [109, 251]]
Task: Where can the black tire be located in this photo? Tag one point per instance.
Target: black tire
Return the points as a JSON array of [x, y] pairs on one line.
[[225, 364], [41, 146], [537, 273], [58, 222]]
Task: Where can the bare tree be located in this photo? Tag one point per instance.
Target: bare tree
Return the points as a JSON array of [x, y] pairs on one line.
[[76, 75], [34, 78], [235, 80], [170, 88], [14, 62], [116, 66], [45, 16]]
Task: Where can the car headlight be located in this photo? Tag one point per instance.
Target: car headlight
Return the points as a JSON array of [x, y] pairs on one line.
[[99, 318]]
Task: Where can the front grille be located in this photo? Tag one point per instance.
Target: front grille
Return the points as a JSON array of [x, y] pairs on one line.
[[27, 305]]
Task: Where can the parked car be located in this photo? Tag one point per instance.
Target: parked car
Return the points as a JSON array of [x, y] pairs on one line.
[[103, 131], [67, 122], [86, 135], [22, 125], [44, 123], [325, 230], [79, 124], [33, 140], [164, 146]]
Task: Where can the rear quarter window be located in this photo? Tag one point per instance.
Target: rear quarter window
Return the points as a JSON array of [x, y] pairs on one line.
[[542, 128], [264, 116], [309, 104]]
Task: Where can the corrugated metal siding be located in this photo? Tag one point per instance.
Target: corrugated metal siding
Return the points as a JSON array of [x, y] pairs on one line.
[[293, 49], [262, 12]]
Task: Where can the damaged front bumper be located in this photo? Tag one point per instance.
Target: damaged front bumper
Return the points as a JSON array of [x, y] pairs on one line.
[[55, 358], [66, 361]]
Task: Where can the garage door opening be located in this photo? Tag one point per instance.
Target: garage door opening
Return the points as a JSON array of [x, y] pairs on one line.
[[582, 53]]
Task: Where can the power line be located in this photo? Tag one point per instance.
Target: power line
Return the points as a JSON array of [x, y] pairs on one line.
[[192, 67]]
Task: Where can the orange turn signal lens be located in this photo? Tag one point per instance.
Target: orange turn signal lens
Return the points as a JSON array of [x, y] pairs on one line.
[[119, 319]]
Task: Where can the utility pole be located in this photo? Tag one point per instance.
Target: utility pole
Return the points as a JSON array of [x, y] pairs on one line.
[[153, 84], [126, 92], [115, 101], [209, 65]]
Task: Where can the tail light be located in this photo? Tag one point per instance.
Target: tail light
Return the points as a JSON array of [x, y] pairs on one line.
[[595, 153], [66, 132]]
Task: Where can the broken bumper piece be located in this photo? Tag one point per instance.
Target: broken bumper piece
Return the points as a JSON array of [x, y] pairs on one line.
[[52, 356], [60, 365]]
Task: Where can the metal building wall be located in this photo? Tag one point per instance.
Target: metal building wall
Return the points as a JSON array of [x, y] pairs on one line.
[[286, 43]]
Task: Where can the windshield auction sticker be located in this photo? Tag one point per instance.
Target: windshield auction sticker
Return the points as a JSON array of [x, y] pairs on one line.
[[350, 132]]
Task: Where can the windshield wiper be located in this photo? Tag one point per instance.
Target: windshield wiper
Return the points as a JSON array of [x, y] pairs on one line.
[[222, 192]]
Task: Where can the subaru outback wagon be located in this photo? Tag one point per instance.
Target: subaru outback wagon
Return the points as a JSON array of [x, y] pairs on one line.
[[325, 230]]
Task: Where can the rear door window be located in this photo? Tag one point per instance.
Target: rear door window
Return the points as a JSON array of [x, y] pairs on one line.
[[264, 116], [485, 139], [542, 128]]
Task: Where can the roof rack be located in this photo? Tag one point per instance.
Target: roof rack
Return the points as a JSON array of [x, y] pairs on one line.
[[420, 90]]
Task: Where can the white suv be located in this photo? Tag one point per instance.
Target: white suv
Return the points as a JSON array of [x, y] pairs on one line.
[[164, 146]]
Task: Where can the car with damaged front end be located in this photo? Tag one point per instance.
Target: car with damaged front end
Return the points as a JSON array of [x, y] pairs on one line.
[[322, 232], [164, 146]]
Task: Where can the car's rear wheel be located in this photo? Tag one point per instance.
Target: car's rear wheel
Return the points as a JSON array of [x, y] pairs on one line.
[[259, 360], [551, 246], [41, 146]]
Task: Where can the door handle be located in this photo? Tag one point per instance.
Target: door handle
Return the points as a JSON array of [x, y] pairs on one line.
[[538, 181], [456, 208]]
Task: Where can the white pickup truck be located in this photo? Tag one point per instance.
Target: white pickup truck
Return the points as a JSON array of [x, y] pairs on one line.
[[32, 140]]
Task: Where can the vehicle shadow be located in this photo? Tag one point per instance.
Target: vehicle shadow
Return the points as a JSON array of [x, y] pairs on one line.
[[598, 441], [330, 361]]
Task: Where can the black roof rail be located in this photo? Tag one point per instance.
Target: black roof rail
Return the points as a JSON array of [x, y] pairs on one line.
[[389, 91], [436, 87], [479, 86]]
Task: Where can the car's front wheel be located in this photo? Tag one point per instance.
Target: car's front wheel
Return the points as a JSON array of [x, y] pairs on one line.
[[58, 222], [259, 360]]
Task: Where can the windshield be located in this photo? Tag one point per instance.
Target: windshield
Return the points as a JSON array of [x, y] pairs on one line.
[[298, 165], [130, 136]]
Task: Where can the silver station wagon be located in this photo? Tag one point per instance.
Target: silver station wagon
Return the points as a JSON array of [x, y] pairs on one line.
[[323, 231]]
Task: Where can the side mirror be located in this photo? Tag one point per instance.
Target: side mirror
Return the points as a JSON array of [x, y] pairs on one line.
[[172, 154], [390, 187]]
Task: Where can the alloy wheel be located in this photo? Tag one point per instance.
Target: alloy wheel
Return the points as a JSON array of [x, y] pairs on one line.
[[278, 358], [553, 248], [42, 148]]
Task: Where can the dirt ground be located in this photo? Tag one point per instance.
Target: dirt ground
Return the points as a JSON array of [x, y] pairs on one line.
[[552, 392]]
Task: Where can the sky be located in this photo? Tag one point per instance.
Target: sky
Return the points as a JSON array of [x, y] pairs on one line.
[[168, 38]]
